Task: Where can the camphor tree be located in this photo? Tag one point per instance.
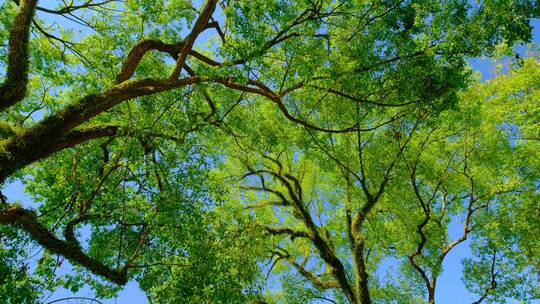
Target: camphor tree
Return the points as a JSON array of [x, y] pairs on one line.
[[116, 113]]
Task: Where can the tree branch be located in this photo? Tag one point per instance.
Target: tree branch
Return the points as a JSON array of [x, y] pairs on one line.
[[313, 278], [26, 220], [14, 87], [290, 232], [325, 249], [199, 26], [71, 8], [35, 143], [493, 283]]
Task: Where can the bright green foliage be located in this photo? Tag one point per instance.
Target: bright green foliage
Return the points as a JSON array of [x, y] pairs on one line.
[[511, 104], [300, 146], [16, 286], [461, 167]]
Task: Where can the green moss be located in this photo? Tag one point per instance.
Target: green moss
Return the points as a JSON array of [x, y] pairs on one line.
[[8, 130]]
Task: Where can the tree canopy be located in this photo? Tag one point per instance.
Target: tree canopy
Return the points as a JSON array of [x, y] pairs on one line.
[[267, 151]]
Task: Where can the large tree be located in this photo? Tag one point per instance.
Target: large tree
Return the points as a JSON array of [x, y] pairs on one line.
[[340, 209], [114, 113]]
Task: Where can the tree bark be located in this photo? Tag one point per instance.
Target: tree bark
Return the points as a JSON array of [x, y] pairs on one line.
[[14, 87], [26, 220]]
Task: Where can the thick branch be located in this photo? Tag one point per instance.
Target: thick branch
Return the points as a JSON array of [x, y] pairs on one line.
[[78, 136], [26, 220], [360, 269], [326, 252], [199, 26], [137, 52], [36, 143], [14, 87]]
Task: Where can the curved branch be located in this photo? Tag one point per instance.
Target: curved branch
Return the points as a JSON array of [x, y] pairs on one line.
[[36, 143], [26, 220], [364, 101], [14, 87], [277, 100], [71, 8], [198, 27], [324, 247], [74, 298], [137, 52]]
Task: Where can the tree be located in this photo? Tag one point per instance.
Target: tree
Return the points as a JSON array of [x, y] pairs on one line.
[[114, 118], [339, 206]]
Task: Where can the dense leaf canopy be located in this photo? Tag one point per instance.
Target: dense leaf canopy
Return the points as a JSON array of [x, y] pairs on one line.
[[267, 151]]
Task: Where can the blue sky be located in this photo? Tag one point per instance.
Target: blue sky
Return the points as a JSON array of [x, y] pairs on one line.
[[450, 289]]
